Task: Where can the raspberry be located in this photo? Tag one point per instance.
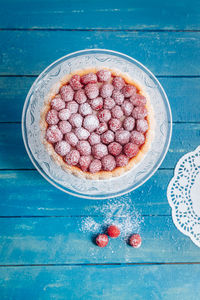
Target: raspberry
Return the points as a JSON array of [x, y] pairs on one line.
[[127, 108], [99, 150], [102, 240], [129, 90], [114, 148], [115, 124], [64, 126], [75, 82], [106, 90], [139, 112], [85, 109], [104, 115], [118, 82], [52, 117], [131, 150], [129, 123], [62, 148], [95, 166], [82, 133], [109, 103], [118, 97], [113, 231], [94, 139], [122, 160], [53, 134], [76, 120], [84, 148], [97, 103], [91, 123], [64, 114], [142, 125], [103, 75], [122, 136], [138, 100], [108, 163], [57, 103], [67, 93], [137, 138], [80, 96], [117, 112], [107, 137], [71, 138], [72, 157], [102, 128], [72, 106], [89, 78], [92, 90], [135, 240], [84, 162]]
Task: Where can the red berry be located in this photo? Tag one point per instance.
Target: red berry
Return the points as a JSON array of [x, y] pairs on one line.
[[92, 90], [85, 109], [139, 112], [131, 150], [84, 162], [67, 93], [107, 137], [80, 96], [64, 126], [71, 138], [113, 231], [102, 240], [95, 166], [94, 139], [75, 82], [103, 75], [142, 125], [109, 103], [64, 114], [76, 120], [118, 82], [53, 134], [52, 117], [127, 107], [104, 115], [97, 103], [72, 106], [57, 103], [129, 123], [135, 240], [115, 124], [102, 128], [82, 133], [89, 78], [84, 148], [106, 90], [117, 112], [122, 136], [72, 157], [99, 150], [62, 148], [118, 97], [138, 100], [129, 90], [114, 148], [137, 138], [90, 123], [122, 160], [108, 163]]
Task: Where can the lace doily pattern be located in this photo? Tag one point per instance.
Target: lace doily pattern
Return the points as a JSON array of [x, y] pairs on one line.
[[184, 195]]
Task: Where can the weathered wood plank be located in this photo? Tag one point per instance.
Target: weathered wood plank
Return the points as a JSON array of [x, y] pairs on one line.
[[29, 52]]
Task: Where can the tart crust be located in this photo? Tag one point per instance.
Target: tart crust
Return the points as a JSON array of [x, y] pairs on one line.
[[118, 171]]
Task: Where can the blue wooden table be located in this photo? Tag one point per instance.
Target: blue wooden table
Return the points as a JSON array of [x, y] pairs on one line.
[[43, 252]]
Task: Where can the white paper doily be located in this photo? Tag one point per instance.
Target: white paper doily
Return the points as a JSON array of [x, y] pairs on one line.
[[184, 195]]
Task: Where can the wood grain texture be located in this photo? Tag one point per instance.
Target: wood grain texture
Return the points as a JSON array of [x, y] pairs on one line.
[[29, 52], [99, 14], [13, 91]]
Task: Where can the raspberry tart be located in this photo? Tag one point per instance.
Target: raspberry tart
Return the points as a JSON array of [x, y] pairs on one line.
[[97, 124]]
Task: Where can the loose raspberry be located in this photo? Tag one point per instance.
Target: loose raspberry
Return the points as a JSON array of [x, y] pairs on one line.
[[64, 126], [64, 114], [104, 115], [85, 109], [117, 112], [108, 163], [91, 123], [103, 75], [84, 148], [62, 148], [99, 150], [139, 112], [82, 133], [76, 120], [113, 231], [84, 162], [92, 90], [102, 128], [72, 157], [107, 137], [106, 90], [95, 166], [57, 103], [75, 82], [80, 96], [71, 138], [102, 240], [138, 100], [118, 82], [114, 148], [97, 103], [122, 160], [129, 90], [131, 150], [142, 125], [72, 106], [129, 123], [89, 78], [94, 139], [137, 138], [135, 240], [118, 97], [67, 93], [127, 108], [115, 124], [53, 134], [122, 136], [52, 117], [109, 103]]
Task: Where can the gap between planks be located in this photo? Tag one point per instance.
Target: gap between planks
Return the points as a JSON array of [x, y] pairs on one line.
[[99, 29]]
